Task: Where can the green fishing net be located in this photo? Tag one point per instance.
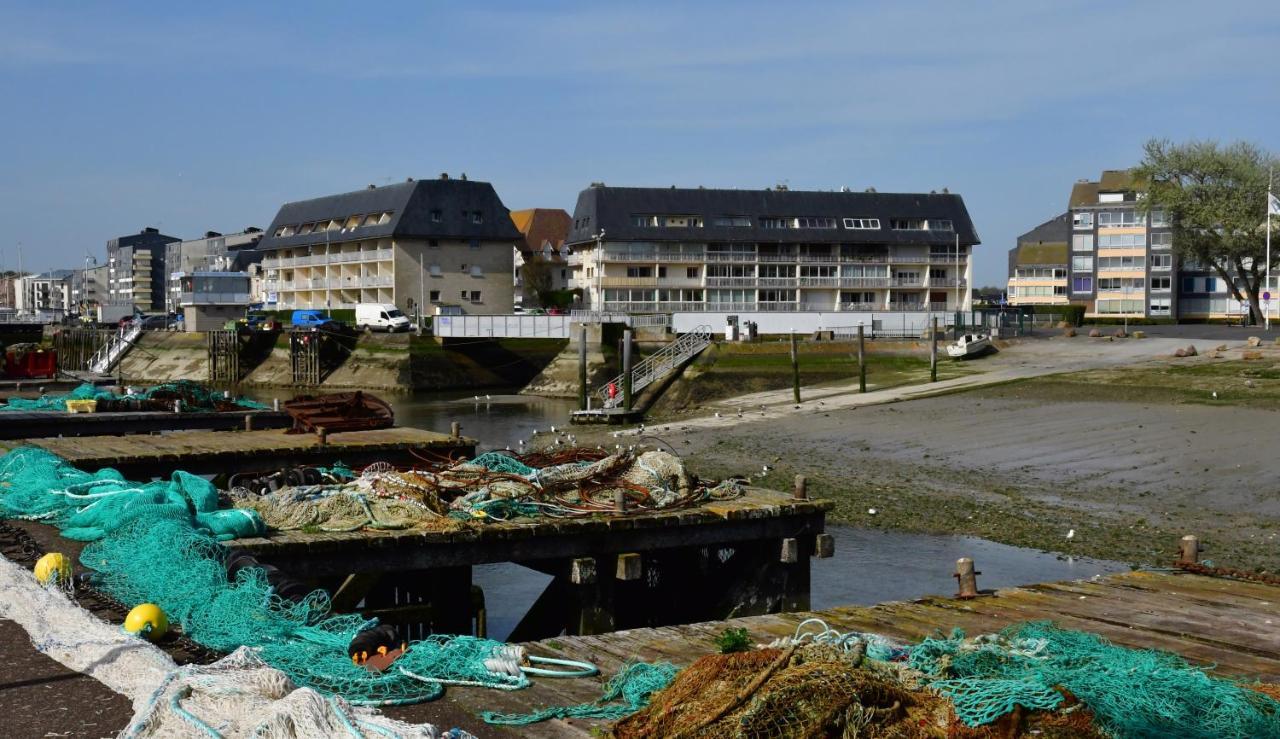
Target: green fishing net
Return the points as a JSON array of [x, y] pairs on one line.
[[192, 396], [625, 694]]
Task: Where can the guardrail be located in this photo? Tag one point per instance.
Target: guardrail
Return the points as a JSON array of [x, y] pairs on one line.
[[503, 326]]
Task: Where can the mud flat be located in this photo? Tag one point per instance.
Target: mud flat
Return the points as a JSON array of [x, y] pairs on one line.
[[1125, 458]]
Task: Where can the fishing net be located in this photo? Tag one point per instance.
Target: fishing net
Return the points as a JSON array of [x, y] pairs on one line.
[[191, 397], [1131, 692], [157, 542], [633, 685]]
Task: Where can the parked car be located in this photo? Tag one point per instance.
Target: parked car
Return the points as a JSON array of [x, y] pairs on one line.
[[155, 323], [380, 317], [258, 320], [312, 318]]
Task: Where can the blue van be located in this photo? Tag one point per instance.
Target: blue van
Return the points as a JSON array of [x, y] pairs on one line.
[[309, 318]]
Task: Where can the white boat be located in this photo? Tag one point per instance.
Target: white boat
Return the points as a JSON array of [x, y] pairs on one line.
[[969, 345]]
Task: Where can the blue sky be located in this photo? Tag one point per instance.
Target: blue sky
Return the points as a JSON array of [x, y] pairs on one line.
[[207, 116]]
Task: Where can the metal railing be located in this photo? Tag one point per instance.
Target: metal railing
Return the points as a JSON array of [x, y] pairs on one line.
[[115, 348], [655, 366]]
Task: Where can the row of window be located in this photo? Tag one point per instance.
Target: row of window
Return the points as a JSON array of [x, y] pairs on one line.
[[336, 224], [1084, 242], [1037, 291], [1045, 273], [1118, 219], [789, 222]]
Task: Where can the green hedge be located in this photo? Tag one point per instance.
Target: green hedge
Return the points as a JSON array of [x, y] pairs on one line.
[[1072, 314]]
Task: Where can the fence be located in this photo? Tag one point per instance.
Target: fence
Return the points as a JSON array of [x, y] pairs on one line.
[[635, 321], [531, 327]]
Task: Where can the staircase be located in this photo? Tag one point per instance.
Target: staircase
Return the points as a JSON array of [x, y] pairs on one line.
[[115, 348], [657, 365]]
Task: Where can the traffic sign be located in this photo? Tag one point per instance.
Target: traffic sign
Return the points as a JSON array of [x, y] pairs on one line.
[[1266, 295]]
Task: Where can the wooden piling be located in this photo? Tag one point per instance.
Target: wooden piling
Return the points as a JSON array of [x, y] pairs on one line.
[[629, 567], [795, 368], [933, 349], [824, 546], [790, 553], [455, 430], [322, 435], [1189, 550], [620, 501], [582, 368], [967, 578], [801, 489], [626, 370], [582, 571], [862, 361], [248, 422]]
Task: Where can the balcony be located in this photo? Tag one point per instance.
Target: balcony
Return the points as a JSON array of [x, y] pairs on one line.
[[780, 307], [917, 306], [373, 255], [732, 281], [958, 282], [202, 298], [819, 258], [776, 281], [776, 258], [862, 306], [908, 260], [628, 282], [819, 282], [906, 282], [713, 256], [864, 282], [731, 307]]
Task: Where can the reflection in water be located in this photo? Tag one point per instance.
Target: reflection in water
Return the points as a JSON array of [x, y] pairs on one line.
[[869, 566]]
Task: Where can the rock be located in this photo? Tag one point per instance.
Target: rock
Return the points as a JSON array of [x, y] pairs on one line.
[[1064, 324], [1119, 334], [1139, 334], [1069, 331], [1094, 333], [1254, 341], [1179, 352], [1248, 383], [1223, 347], [1249, 356], [1191, 350]]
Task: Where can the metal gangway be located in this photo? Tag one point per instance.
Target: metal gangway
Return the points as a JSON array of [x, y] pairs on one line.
[[656, 365], [115, 348]]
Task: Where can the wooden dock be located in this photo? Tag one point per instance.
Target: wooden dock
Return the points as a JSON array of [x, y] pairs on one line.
[[742, 556], [222, 452], [42, 424], [1212, 621]]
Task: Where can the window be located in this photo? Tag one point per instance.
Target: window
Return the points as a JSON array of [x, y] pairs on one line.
[[477, 271], [1188, 284], [772, 222], [1161, 284], [1118, 284], [474, 243], [907, 224], [477, 216], [435, 296], [436, 216], [351, 223], [433, 243], [1161, 261], [940, 224], [1158, 217], [691, 273], [475, 296], [306, 228], [937, 273], [1121, 263], [777, 296], [862, 224], [1160, 306], [1082, 285], [1120, 219], [662, 271], [1082, 220], [682, 221], [1082, 242], [639, 271], [1211, 284], [1161, 240], [1121, 240], [732, 221], [1120, 306], [815, 223], [1081, 264]]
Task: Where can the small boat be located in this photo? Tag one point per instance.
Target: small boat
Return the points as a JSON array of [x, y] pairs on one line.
[[356, 411], [969, 345]]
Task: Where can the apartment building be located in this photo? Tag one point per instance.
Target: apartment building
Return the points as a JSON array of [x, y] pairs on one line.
[[136, 273], [47, 293], [544, 231], [89, 289], [638, 249], [214, 252], [422, 245], [1039, 264], [1120, 261]]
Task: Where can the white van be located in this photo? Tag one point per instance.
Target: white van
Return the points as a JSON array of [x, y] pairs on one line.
[[380, 317]]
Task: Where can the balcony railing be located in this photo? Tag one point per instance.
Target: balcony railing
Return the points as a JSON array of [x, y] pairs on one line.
[[862, 306], [732, 281], [776, 281], [373, 255], [819, 282], [201, 298], [713, 256], [769, 307], [908, 260], [960, 282], [908, 306], [906, 282], [864, 282]]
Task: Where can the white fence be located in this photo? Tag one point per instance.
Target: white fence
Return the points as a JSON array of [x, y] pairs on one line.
[[881, 324], [531, 327], [634, 321]]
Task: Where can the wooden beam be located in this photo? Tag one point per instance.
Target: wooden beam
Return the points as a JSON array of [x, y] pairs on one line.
[[630, 567], [353, 590]]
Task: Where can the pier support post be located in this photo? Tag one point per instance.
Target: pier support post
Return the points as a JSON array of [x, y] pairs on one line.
[[455, 430], [933, 349], [801, 490], [619, 501], [629, 567], [824, 546], [1189, 550], [322, 435], [862, 361], [582, 367], [795, 369], [626, 370], [967, 578], [248, 422]]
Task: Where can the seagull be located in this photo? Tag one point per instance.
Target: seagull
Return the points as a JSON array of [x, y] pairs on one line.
[[717, 414], [1071, 534], [535, 432], [477, 397], [797, 407], [1215, 393], [765, 469], [521, 442], [871, 511], [553, 429], [487, 396]]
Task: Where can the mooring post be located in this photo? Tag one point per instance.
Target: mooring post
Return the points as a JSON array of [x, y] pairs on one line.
[[824, 546], [967, 578], [582, 368], [862, 361], [248, 422], [455, 430], [795, 368], [933, 349], [1189, 550], [619, 501], [322, 435], [275, 404], [626, 370], [801, 491], [177, 405]]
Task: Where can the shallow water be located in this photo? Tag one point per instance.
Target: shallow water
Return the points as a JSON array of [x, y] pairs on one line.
[[870, 566]]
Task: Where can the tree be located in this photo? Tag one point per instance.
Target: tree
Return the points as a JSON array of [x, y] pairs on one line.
[[1215, 197], [537, 277]]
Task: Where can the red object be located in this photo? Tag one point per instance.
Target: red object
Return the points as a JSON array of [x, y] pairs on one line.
[[30, 365], [613, 391]]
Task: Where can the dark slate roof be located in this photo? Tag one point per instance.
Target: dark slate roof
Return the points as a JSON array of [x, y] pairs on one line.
[[410, 203], [611, 208], [1082, 194], [1045, 244], [1055, 230]]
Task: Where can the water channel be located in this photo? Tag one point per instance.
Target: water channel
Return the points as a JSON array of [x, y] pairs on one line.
[[870, 566]]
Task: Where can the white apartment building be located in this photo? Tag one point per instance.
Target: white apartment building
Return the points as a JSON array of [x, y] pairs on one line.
[[422, 245], [677, 250]]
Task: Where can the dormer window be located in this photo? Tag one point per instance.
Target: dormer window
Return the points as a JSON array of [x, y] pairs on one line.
[[436, 216], [477, 216]]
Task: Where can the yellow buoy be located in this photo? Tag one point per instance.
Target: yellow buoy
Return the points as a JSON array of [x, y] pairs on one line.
[[147, 621], [53, 568]]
